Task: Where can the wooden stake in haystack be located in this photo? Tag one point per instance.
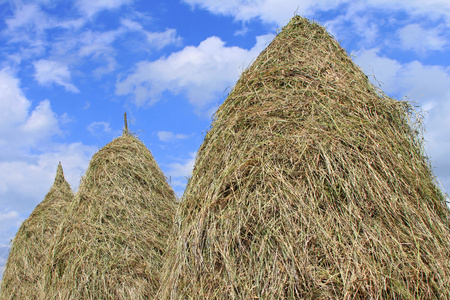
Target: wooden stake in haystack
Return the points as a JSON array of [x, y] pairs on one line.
[[311, 184], [125, 128], [24, 272], [112, 242]]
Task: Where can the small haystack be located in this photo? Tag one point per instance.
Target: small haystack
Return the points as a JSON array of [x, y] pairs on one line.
[[311, 184], [24, 270], [111, 244]]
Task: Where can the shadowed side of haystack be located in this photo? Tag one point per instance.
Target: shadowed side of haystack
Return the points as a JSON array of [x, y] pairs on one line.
[[24, 271], [111, 244], [310, 184]]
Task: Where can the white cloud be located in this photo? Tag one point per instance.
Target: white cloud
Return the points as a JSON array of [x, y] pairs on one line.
[[18, 125], [7, 216], [97, 43], [29, 25], [29, 154], [99, 46], [182, 169], [48, 72], [131, 25], [27, 179], [382, 69], [91, 7], [168, 136], [157, 40], [28, 16], [432, 8], [178, 172], [202, 73], [272, 12], [163, 39], [421, 40], [428, 86], [97, 128], [13, 104], [30, 177], [42, 122]]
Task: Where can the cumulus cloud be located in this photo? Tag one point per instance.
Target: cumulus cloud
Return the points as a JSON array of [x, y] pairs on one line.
[[28, 178], [48, 72], [13, 104], [426, 85], [29, 153], [18, 125], [202, 73], [415, 37]]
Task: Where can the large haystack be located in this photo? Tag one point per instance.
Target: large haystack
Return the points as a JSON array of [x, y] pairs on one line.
[[110, 246], [24, 271], [310, 184]]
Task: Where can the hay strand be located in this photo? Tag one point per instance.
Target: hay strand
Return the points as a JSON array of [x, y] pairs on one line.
[[111, 244], [311, 184], [24, 270]]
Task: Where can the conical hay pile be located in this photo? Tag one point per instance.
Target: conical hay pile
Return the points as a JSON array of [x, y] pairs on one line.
[[312, 185], [24, 270], [110, 246]]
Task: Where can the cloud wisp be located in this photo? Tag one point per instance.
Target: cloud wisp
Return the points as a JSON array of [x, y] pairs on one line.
[[49, 72], [168, 136]]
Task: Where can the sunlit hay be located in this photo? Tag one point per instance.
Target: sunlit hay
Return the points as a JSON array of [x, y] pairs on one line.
[[311, 184], [111, 244], [24, 270]]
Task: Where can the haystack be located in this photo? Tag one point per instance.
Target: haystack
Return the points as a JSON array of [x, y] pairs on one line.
[[24, 270], [311, 184], [111, 244]]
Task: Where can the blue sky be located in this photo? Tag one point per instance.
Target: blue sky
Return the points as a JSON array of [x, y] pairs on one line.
[[70, 69]]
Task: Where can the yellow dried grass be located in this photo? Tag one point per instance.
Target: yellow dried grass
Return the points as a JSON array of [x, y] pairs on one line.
[[24, 271], [112, 242], [311, 184]]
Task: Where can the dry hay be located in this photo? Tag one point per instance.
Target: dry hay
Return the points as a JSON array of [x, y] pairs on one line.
[[24, 271], [310, 184], [110, 246]]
